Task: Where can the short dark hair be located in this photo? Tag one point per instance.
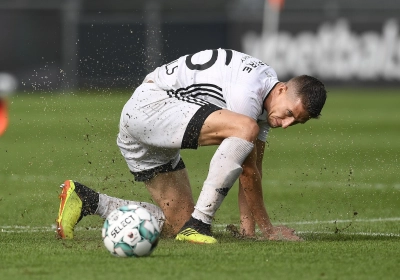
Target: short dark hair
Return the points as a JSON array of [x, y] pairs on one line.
[[312, 93]]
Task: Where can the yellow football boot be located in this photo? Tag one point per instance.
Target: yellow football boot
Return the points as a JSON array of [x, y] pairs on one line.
[[70, 211], [195, 231]]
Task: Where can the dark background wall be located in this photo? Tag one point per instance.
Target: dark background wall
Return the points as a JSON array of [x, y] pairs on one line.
[[53, 44]]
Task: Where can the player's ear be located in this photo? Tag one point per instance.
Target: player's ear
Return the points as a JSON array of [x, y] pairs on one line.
[[282, 88]]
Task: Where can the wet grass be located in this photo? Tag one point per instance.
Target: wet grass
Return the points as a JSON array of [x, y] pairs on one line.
[[335, 180], [40, 256]]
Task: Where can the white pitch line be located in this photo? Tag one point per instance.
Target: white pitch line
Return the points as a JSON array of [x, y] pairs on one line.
[[395, 219], [25, 229], [353, 233], [47, 229]]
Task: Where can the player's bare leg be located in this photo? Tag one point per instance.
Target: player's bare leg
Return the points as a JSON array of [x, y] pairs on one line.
[[171, 191], [235, 134], [247, 222]]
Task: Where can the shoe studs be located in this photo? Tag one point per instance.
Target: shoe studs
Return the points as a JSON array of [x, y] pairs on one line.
[[62, 192]]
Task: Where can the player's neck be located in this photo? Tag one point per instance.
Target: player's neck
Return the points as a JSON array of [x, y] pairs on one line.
[[272, 94]]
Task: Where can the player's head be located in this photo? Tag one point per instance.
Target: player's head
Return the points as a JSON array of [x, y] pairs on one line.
[[312, 93], [295, 101]]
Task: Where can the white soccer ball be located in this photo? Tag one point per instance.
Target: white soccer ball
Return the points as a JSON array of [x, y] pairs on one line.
[[130, 231]]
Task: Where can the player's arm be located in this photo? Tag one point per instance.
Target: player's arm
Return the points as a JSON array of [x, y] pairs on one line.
[[247, 222], [251, 202]]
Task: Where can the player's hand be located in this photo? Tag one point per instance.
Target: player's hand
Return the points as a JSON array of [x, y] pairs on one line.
[[283, 233], [239, 233]]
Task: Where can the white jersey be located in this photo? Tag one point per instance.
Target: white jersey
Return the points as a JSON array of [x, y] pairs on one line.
[[226, 78]]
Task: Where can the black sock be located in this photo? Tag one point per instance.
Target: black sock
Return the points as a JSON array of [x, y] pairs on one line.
[[90, 199]]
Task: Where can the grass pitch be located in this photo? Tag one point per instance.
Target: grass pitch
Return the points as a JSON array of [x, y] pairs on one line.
[[335, 180]]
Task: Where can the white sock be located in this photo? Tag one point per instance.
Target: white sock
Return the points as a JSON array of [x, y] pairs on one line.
[[225, 169], [107, 204]]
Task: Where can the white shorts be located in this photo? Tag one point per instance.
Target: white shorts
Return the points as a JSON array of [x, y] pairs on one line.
[[155, 124]]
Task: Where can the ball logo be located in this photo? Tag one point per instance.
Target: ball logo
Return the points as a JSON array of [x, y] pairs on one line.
[[124, 222], [132, 237]]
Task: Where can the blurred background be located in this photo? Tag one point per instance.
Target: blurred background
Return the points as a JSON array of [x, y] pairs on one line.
[[69, 44], [74, 63]]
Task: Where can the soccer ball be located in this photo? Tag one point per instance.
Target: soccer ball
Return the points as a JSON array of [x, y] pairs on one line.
[[130, 231]]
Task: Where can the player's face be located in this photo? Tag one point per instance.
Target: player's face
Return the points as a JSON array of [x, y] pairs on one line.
[[285, 108]]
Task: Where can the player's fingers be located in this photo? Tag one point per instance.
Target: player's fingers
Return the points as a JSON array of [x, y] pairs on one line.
[[273, 237], [285, 228]]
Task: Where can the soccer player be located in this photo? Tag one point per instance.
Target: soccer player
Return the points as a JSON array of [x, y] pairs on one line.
[[213, 97]]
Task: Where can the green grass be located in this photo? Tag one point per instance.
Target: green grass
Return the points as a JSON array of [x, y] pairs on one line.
[[330, 179]]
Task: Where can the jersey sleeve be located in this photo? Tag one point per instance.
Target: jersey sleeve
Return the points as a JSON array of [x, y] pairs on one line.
[[244, 95], [245, 102]]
